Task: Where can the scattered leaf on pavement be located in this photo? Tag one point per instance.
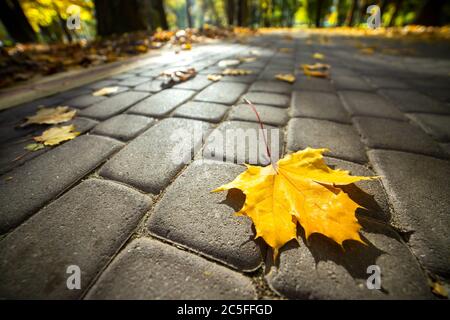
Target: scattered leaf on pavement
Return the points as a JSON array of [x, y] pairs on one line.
[[236, 72], [368, 50], [54, 136], [300, 188], [286, 77], [285, 50], [228, 63], [105, 91], [316, 66], [318, 56], [439, 289], [314, 73], [186, 46], [51, 116], [34, 146], [214, 77], [175, 76], [247, 59]]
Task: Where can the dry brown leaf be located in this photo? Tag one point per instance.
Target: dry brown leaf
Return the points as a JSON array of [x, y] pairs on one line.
[[286, 77], [105, 91], [175, 76], [51, 116], [317, 66], [236, 72], [439, 289], [214, 77], [55, 136]]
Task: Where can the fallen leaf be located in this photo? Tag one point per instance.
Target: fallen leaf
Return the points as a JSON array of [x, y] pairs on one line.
[[439, 289], [247, 59], [186, 46], [8, 178], [175, 76], [214, 77], [105, 91], [51, 116], [299, 188], [316, 66], [318, 56], [313, 73], [34, 146], [286, 77], [228, 63], [285, 50], [236, 72], [54, 136], [141, 48], [368, 51]]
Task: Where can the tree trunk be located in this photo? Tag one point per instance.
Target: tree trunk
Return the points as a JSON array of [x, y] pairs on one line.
[[351, 13], [120, 16], [243, 13], [15, 21], [189, 13], [318, 17], [158, 6], [398, 5], [430, 14], [231, 9]]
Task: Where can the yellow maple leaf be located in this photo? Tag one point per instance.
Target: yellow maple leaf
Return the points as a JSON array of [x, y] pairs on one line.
[[105, 91], [288, 77], [51, 116], [318, 56], [54, 136], [214, 77], [299, 188], [236, 72]]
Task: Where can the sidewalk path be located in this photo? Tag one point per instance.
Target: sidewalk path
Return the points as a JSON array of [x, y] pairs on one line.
[[140, 225]]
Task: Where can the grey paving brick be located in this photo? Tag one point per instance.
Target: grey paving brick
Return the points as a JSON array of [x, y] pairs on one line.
[[212, 112], [102, 84], [124, 126], [204, 221], [45, 177], [247, 79], [270, 115], [413, 101], [396, 135], [13, 154], [150, 270], [370, 194], [342, 139], [152, 86], [150, 161], [380, 82], [113, 105], [318, 105], [162, 103], [271, 86], [222, 92], [351, 83], [85, 227], [83, 101], [197, 83], [359, 103], [437, 126], [132, 81], [322, 270], [313, 84], [418, 187], [271, 99], [243, 142]]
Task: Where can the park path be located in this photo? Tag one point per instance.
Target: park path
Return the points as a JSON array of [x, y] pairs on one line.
[[140, 225]]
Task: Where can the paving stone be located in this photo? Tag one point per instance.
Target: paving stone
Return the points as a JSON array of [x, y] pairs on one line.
[[380, 82], [272, 99], [162, 103], [369, 194], [113, 106], [438, 126], [313, 84], [204, 221], [85, 227], [413, 101], [351, 83], [359, 103], [150, 161], [124, 126], [242, 142], [45, 177], [321, 270], [446, 148], [270, 115], [318, 105], [271, 86], [389, 134], [84, 101], [14, 154], [418, 187], [150, 270], [102, 84], [152, 86], [222, 92], [248, 78], [212, 112], [341, 139], [197, 83], [132, 81]]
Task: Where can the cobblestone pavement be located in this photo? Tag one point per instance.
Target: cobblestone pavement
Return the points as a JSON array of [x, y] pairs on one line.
[[139, 225]]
